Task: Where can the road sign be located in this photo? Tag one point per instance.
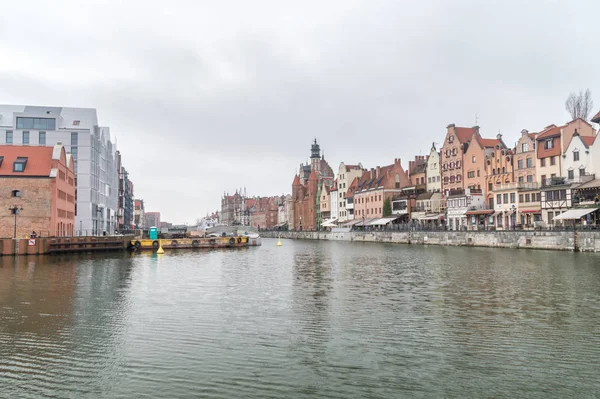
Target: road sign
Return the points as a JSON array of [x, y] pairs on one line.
[[31, 242]]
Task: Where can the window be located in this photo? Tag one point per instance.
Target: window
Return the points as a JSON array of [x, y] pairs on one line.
[[397, 181], [543, 179], [575, 155], [512, 198], [1, 159], [549, 144], [529, 163], [25, 137], [520, 164], [503, 170], [582, 171], [74, 138], [498, 199], [529, 178], [521, 179], [490, 186], [19, 164], [478, 173], [36, 123], [76, 123], [520, 197], [524, 147], [491, 203], [9, 137], [473, 159], [470, 174], [571, 174], [527, 197], [552, 160], [450, 139], [505, 198], [16, 193], [543, 162], [42, 138]]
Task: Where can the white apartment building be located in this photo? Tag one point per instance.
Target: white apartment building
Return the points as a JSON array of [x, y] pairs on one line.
[[346, 174], [94, 155], [434, 174]]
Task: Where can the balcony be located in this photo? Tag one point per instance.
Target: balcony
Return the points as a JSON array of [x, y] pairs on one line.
[[518, 186]]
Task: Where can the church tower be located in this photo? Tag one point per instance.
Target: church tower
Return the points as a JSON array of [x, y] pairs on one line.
[[315, 157]]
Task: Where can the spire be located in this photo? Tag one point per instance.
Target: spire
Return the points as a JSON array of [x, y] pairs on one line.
[[313, 175], [296, 181]]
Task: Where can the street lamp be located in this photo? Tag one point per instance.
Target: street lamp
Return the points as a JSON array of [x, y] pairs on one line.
[[15, 211]]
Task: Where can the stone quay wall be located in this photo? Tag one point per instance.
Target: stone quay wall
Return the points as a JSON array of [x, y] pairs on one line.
[[584, 241]]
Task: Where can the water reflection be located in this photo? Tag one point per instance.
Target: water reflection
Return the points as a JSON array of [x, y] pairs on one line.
[[308, 319]]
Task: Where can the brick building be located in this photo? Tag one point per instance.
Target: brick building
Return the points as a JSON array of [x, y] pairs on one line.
[[40, 183], [305, 187]]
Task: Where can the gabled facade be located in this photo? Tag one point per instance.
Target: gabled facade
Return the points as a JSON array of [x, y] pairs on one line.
[[434, 176], [475, 161], [417, 172], [453, 150], [578, 160], [525, 160]]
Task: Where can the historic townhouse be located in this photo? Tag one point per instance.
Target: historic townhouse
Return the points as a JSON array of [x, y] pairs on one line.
[[334, 201], [455, 145], [475, 165], [428, 209], [433, 173], [417, 172], [374, 187], [578, 160], [345, 176], [550, 144], [502, 192]]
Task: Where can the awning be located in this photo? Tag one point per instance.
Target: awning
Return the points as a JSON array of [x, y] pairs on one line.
[[329, 223], [480, 212], [366, 222], [351, 222], [382, 221], [574, 214], [433, 217]]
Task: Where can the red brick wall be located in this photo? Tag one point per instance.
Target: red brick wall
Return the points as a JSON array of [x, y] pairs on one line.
[[36, 200]]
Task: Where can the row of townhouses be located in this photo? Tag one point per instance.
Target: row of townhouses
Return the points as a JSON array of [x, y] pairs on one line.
[[546, 179], [62, 175]]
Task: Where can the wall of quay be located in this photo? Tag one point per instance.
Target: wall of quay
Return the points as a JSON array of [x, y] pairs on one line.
[[584, 241]]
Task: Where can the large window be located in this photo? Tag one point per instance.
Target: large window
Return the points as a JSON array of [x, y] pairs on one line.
[[42, 138], [520, 164], [74, 138], [9, 137], [25, 138], [575, 155], [19, 164], [529, 163], [524, 147], [36, 123]]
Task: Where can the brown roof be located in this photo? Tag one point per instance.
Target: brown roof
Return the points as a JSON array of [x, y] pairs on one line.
[[596, 118], [543, 153], [351, 188], [588, 140], [532, 136], [464, 134], [296, 181], [39, 160]]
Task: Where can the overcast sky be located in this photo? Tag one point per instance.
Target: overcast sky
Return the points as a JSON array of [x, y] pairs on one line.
[[209, 96]]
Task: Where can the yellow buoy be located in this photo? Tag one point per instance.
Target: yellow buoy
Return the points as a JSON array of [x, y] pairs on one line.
[[279, 241], [160, 249]]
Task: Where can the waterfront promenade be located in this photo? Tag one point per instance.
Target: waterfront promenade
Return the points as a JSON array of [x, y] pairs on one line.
[[565, 240]]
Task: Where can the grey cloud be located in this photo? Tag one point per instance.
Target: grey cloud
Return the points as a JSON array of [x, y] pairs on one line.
[[208, 97]]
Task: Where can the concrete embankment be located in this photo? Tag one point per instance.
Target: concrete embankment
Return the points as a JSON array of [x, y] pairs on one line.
[[585, 241], [50, 245]]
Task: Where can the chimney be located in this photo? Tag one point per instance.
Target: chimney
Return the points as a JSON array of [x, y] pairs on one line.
[[524, 132], [378, 170], [499, 136], [476, 129], [450, 125]]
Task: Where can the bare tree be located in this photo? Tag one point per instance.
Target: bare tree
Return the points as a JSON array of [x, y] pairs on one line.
[[580, 105]]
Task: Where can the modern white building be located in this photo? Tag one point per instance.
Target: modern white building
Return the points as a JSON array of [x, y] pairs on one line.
[[94, 155], [334, 201]]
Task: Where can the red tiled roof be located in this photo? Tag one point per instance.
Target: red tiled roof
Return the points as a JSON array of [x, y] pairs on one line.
[[489, 143], [39, 162], [532, 136], [351, 188], [549, 131], [296, 181], [313, 175], [596, 118], [588, 140], [464, 134]]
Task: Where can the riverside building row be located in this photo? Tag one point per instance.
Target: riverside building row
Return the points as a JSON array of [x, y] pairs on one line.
[[470, 182], [98, 195]]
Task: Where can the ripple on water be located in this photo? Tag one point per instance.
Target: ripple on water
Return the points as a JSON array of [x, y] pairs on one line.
[[309, 319]]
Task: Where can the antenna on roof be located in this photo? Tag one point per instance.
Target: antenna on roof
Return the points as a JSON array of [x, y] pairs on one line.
[[476, 120]]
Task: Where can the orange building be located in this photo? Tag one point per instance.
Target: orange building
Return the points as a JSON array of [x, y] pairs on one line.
[[40, 183], [474, 164]]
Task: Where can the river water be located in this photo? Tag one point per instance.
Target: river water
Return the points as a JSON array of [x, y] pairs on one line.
[[306, 320]]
